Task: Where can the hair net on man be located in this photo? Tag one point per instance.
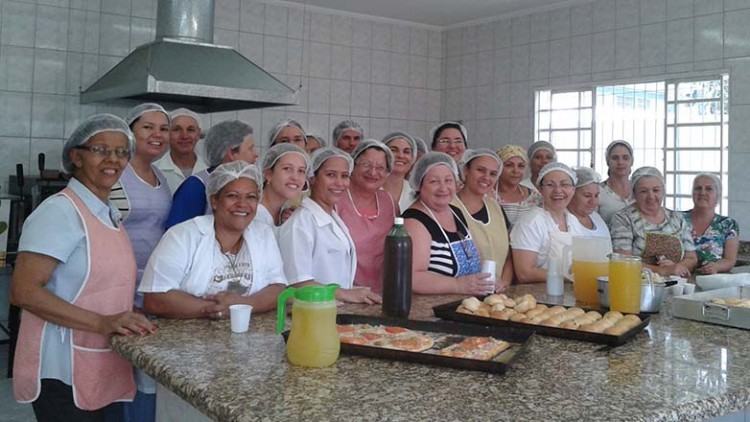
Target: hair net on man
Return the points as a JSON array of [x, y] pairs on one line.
[[714, 180], [557, 166], [509, 151], [224, 136], [471, 154], [618, 143], [92, 126], [374, 144], [274, 133], [320, 139], [586, 176], [184, 112], [539, 145], [229, 172], [387, 139], [136, 112], [436, 130], [321, 155], [426, 163], [421, 145], [645, 172], [274, 154], [345, 125]]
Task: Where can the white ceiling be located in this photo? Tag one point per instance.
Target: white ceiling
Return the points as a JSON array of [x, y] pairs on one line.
[[436, 12]]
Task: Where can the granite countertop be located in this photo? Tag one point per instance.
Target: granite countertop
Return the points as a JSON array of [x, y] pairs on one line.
[[676, 370]]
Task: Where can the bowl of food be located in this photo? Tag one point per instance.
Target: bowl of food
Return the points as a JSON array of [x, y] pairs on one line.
[[652, 293]]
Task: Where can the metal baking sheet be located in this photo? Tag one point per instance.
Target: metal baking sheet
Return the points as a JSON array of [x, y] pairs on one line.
[[448, 311], [518, 338], [698, 307]]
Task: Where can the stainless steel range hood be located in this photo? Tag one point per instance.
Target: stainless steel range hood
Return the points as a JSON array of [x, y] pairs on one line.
[[183, 67]]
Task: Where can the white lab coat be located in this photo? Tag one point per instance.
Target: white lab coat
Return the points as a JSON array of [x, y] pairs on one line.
[[317, 246], [174, 174], [184, 258]]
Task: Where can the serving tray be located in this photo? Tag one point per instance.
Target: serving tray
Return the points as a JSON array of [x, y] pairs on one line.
[[448, 311]]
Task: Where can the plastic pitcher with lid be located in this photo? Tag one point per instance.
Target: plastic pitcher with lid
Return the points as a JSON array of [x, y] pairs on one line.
[[590, 260], [313, 340]]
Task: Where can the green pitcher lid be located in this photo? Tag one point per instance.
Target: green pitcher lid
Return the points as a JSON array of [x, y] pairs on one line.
[[314, 293]]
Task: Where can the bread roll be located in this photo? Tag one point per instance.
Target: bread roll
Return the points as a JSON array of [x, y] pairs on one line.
[[494, 299], [497, 307], [505, 314], [525, 305], [498, 314], [632, 317], [509, 303], [613, 315], [471, 303], [557, 309], [553, 321], [485, 312], [534, 312], [593, 314], [518, 317], [573, 313], [535, 320], [617, 329], [570, 325], [541, 306], [594, 327], [462, 310]]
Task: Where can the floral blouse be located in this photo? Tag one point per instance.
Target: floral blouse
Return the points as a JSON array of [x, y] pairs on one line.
[[710, 244]]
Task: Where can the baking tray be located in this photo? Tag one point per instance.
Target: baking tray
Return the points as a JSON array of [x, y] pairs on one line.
[[698, 307], [518, 337], [448, 311]]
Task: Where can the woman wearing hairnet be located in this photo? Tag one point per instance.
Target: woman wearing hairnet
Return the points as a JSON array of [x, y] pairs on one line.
[[451, 138], [285, 167], [404, 150], [347, 134], [205, 264], [287, 132], [540, 154], [316, 242], [226, 141], [445, 258], [368, 211], [540, 236], [515, 198], [616, 192], [716, 237], [182, 161], [74, 279], [661, 237], [584, 204], [486, 220], [314, 142]]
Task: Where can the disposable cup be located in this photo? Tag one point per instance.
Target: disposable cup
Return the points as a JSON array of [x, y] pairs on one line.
[[689, 289], [239, 316], [489, 266]]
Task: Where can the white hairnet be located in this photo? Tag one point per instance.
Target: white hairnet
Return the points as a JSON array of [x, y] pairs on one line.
[[320, 139], [426, 163], [714, 179], [370, 144], [274, 154], [645, 172], [618, 143], [224, 136], [180, 112], [471, 154], [586, 176], [136, 112], [229, 172], [556, 166], [421, 145], [321, 155], [92, 126], [273, 133], [406, 137], [536, 146], [346, 124], [435, 131]]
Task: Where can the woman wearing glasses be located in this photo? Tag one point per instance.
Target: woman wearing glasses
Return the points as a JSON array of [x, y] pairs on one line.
[[445, 258], [450, 138], [540, 236], [368, 210], [74, 279]]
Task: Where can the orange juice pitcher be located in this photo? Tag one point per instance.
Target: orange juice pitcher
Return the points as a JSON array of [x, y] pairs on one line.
[[590, 260], [625, 283]]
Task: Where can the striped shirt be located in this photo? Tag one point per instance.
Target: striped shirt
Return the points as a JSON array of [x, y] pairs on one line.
[[442, 260]]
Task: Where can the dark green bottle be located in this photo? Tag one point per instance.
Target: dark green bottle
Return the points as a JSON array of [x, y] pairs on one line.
[[397, 271]]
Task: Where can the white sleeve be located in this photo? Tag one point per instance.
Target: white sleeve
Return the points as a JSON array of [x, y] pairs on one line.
[[530, 233], [269, 265], [169, 264], [296, 244]]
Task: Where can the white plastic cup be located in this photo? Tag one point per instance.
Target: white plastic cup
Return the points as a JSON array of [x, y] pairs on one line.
[[555, 285], [689, 289], [239, 316], [490, 267]]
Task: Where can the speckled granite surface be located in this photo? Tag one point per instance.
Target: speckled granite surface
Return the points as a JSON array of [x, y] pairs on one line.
[[676, 370]]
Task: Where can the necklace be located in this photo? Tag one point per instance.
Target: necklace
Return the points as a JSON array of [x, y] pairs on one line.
[[369, 217]]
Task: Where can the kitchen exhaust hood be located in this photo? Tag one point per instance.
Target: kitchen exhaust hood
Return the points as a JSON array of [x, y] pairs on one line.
[[183, 67]]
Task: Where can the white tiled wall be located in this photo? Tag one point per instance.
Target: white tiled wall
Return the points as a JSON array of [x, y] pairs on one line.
[[600, 41], [386, 75]]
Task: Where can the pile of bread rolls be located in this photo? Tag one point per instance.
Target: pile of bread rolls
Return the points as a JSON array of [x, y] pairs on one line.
[[525, 309], [742, 303]]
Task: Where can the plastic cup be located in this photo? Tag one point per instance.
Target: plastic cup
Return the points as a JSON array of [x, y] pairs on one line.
[[490, 267], [239, 316], [689, 289]]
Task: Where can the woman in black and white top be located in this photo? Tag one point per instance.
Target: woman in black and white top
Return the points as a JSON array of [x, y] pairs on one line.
[[445, 258]]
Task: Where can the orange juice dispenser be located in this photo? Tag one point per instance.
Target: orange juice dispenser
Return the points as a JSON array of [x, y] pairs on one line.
[[590, 260], [313, 339]]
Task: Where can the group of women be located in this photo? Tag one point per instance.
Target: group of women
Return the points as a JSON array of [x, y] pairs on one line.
[[147, 229]]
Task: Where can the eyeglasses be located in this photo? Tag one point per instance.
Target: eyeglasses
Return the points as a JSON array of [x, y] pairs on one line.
[[105, 152], [367, 166], [550, 185], [445, 142]]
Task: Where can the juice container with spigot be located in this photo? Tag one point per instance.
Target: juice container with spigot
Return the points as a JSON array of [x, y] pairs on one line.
[[625, 283], [313, 339]]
